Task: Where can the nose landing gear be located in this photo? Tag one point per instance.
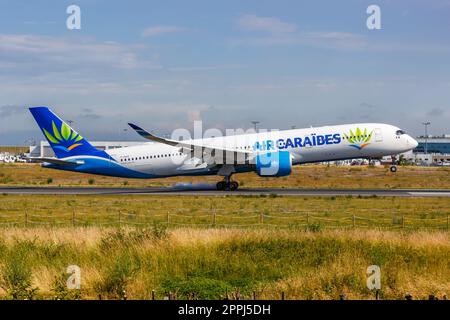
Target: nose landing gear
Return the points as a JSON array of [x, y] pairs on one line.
[[393, 167], [227, 184]]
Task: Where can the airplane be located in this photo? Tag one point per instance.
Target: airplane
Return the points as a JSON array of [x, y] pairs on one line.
[[269, 154]]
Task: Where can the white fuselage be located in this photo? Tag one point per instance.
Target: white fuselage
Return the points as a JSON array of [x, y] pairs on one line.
[[372, 140]]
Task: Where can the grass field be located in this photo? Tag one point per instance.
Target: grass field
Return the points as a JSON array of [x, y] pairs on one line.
[[208, 263], [204, 247], [307, 176], [14, 149], [239, 211], [134, 252]]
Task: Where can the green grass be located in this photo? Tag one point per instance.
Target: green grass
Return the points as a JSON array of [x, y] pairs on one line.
[[225, 211], [304, 176], [125, 248], [208, 263]]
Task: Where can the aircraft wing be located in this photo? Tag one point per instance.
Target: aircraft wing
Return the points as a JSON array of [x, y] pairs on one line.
[[210, 152], [56, 161]]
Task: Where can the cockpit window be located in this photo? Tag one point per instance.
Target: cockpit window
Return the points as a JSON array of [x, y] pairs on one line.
[[400, 132]]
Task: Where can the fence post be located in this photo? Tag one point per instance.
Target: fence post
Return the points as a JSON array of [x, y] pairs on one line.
[[307, 220], [354, 221], [254, 295], [403, 221], [73, 218], [238, 294], [282, 295], [153, 294], [214, 218], [26, 219]]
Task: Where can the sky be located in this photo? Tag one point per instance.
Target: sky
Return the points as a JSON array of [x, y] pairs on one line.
[[165, 64]]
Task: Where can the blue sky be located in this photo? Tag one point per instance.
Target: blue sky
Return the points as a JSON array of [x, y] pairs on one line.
[[163, 64]]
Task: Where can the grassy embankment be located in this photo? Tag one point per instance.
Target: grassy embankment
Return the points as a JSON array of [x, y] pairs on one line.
[[307, 176], [208, 263], [302, 262]]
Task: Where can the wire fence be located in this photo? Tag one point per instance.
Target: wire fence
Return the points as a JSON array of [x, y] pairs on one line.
[[220, 218]]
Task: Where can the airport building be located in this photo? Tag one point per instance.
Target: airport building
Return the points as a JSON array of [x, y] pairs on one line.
[[43, 149], [434, 144], [434, 150]]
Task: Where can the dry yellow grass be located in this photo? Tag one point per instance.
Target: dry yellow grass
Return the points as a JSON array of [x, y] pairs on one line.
[[304, 265], [305, 176]]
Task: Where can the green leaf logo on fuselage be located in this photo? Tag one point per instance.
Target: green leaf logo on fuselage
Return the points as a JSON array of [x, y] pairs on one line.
[[359, 139]]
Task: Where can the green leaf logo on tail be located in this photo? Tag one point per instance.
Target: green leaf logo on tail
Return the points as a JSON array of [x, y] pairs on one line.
[[359, 139], [65, 138]]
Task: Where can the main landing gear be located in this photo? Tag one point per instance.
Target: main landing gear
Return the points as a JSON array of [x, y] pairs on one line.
[[227, 184]]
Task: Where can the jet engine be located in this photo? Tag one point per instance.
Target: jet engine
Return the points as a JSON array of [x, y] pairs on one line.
[[274, 164]]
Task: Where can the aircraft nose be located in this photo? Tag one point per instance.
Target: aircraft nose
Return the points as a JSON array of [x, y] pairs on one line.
[[412, 142]]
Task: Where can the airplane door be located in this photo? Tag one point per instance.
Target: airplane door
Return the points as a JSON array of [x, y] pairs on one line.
[[378, 135]]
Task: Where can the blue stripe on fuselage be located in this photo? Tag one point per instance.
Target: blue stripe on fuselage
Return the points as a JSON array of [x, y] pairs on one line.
[[97, 165], [101, 166]]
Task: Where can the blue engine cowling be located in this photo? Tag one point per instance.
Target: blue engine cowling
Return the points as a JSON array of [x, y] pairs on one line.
[[274, 164]]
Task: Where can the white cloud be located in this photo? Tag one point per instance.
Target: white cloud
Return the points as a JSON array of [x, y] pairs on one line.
[[161, 30], [281, 33], [251, 22], [332, 40], [32, 53], [207, 68], [278, 32]]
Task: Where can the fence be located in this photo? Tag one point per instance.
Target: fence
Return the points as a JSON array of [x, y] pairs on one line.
[[215, 218], [236, 295]]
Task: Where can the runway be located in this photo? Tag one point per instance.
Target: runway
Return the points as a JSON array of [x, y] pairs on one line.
[[204, 190]]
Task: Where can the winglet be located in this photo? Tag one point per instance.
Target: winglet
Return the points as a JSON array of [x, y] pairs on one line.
[[147, 135], [140, 131]]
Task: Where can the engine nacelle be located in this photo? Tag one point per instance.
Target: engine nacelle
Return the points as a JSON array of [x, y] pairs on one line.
[[274, 164]]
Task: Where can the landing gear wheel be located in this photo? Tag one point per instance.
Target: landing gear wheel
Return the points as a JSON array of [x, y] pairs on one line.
[[221, 185], [393, 169], [233, 185]]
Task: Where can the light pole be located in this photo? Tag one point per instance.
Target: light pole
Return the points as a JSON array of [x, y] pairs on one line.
[[426, 124], [255, 123]]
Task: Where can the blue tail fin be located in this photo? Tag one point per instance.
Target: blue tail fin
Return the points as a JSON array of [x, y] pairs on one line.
[[64, 141]]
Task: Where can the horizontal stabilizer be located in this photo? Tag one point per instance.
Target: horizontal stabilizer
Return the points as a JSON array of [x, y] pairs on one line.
[[56, 161]]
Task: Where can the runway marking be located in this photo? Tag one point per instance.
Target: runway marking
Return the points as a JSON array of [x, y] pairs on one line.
[[170, 191], [436, 194]]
